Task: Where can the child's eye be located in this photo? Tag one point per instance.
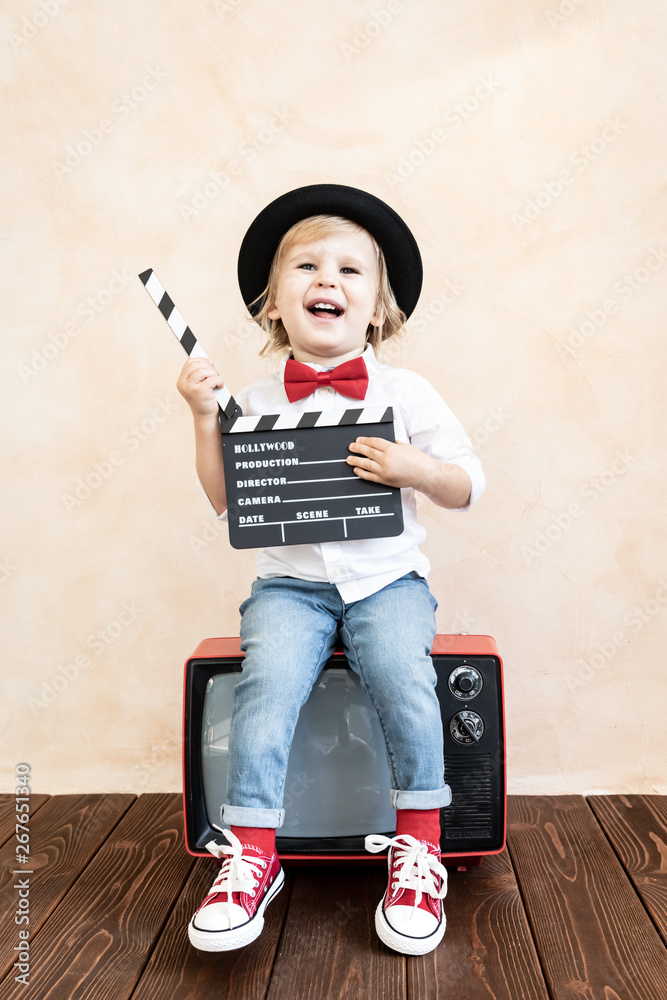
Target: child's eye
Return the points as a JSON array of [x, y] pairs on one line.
[[349, 270], [307, 265]]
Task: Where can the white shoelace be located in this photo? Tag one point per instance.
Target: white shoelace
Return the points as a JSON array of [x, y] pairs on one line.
[[418, 868], [238, 873]]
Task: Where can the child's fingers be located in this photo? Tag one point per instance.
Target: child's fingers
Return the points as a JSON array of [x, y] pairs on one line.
[[365, 468], [197, 369], [373, 447], [198, 375], [372, 442], [367, 464], [196, 383], [206, 376], [209, 382]]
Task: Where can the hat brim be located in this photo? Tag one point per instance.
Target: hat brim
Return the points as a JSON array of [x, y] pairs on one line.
[[404, 265]]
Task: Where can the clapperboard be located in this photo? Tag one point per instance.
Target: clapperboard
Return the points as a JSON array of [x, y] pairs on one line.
[[286, 478]]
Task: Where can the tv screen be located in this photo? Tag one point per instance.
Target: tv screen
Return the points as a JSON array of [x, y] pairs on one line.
[[337, 783]]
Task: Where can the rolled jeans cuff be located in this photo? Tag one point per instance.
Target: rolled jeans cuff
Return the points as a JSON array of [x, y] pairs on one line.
[[249, 816], [421, 800]]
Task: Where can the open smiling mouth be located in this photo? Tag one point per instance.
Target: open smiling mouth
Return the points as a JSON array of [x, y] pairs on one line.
[[324, 309]]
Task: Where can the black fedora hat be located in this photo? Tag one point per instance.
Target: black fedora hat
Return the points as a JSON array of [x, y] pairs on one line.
[[404, 265]]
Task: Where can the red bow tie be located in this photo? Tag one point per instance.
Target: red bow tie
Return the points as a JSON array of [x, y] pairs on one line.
[[349, 379]]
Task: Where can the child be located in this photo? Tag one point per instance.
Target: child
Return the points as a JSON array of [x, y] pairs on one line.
[[330, 271]]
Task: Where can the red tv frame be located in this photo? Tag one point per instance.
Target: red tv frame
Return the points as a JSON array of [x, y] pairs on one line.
[[470, 691]]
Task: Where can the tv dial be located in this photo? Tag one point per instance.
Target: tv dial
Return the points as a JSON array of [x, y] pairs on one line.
[[466, 727], [465, 682]]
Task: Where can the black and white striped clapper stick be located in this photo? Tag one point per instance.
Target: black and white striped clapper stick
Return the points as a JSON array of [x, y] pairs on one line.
[[184, 334]]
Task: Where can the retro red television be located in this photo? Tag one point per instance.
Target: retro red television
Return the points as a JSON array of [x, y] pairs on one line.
[[337, 784]]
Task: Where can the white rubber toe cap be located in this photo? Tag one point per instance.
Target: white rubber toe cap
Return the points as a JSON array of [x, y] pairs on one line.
[[408, 920], [220, 917], [408, 933]]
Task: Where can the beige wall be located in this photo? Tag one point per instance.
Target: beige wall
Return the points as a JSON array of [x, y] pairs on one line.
[[524, 143]]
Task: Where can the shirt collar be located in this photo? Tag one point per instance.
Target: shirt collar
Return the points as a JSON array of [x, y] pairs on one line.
[[368, 356]]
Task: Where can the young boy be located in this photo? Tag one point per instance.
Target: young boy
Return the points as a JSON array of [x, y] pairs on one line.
[[330, 271]]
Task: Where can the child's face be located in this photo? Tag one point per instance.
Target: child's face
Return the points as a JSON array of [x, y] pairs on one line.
[[339, 271]]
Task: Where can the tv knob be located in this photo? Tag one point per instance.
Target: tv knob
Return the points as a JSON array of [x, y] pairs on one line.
[[466, 727], [465, 682]]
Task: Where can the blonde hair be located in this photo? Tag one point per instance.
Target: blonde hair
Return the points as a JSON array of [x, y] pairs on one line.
[[318, 227]]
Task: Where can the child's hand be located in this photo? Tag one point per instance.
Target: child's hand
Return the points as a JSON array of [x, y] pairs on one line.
[[392, 463], [398, 464], [196, 383]]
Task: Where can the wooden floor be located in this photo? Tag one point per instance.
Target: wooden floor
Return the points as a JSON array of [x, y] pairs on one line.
[[575, 908]]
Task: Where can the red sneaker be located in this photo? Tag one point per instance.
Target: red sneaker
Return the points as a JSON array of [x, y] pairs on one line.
[[232, 915], [410, 918]]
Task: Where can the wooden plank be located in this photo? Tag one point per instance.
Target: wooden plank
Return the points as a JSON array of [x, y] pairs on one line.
[[329, 946], [488, 951], [593, 936], [98, 940], [8, 814], [64, 835], [637, 828], [178, 971]]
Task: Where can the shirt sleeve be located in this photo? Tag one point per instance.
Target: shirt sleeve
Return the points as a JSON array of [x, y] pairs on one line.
[[241, 399], [219, 517], [433, 428]]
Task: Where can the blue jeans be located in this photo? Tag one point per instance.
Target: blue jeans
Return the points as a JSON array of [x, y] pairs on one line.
[[289, 629]]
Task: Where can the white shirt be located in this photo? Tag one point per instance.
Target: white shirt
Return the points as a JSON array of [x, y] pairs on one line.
[[361, 567]]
